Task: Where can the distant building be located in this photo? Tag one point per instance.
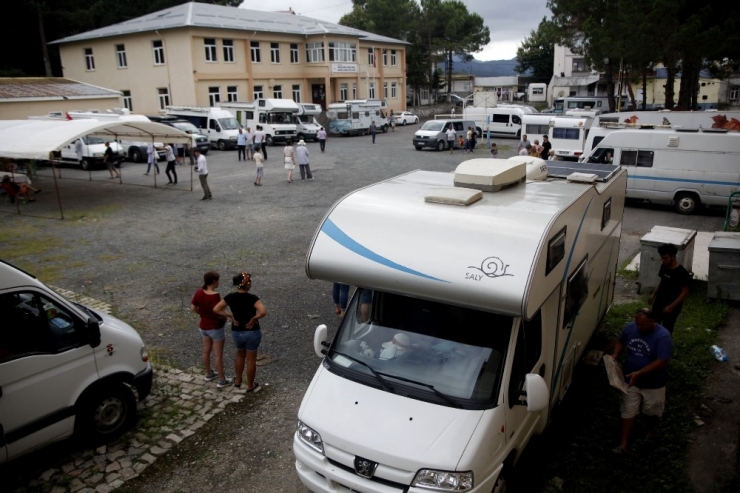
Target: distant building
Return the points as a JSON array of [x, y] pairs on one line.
[[198, 54], [572, 77], [507, 88], [21, 97]]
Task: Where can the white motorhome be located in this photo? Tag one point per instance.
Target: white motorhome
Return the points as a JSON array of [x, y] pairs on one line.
[[217, 124], [306, 125], [685, 168], [684, 119], [465, 328], [537, 92], [354, 117], [567, 134], [275, 116], [64, 368]]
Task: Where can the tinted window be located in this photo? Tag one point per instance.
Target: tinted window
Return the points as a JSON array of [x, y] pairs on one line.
[[533, 129], [515, 119], [566, 133], [603, 155], [645, 159], [576, 294], [555, 250], [500, 118], [629, 158]]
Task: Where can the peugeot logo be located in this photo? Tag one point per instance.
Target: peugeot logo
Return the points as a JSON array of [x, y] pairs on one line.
[[365, 468]]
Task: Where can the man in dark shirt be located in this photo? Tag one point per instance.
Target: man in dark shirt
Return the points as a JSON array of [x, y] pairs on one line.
[[110, 164], [672, 289], [546, 146]]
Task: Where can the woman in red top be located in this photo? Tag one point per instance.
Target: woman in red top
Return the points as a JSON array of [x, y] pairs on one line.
[[211, 326]]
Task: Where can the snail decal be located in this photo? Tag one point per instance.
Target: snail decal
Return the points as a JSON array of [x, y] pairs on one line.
[[492, 267]]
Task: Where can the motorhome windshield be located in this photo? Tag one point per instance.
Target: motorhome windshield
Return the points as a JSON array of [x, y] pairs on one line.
[[421, 349], [94, 140], [276, 118], [434, 125], [305, 118], [228, 123], [186, 126]]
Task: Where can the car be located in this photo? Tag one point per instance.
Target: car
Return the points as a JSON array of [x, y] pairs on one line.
[[406, 118], [186, 126]]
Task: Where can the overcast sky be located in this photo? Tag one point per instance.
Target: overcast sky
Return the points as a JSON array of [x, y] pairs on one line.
[[509, 22]]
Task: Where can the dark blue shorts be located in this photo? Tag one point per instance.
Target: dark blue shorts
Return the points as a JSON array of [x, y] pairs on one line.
[[247, 339]]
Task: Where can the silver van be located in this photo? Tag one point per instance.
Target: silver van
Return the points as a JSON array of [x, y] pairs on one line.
[[433, 133]]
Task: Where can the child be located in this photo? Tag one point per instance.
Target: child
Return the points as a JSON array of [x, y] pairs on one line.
[[461, 144], [494, 149], [259, 161]]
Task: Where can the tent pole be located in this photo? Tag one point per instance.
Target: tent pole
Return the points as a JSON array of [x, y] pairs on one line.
[[56, 189]]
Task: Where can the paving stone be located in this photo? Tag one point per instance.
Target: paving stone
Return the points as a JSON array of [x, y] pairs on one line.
[[134, 452], [188, 404], [46, 475], [197, 425], [113, 466], [186, 378], [187, 433], [191, 420], [75, 473], [100, 458], [165, 429], [196, 393], [87, 464], [103, 488], [117, 447], [124, 463], [157, 450], [94, 479], [128, 473], [115, 455], [76, 485], [115, 484], [59, 489], [87, 490], [207, 417], [142, 437], [140, 466], [174, 438], [112, 477], [102, 449], [164, 444], [86, 474]]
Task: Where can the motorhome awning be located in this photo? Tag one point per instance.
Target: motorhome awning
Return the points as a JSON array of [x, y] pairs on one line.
[[574, 81], [37, 139]]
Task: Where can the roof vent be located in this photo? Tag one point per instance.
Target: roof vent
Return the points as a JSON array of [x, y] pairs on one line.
[[673, 141], [578, 177], [453, 196], [489, 175]]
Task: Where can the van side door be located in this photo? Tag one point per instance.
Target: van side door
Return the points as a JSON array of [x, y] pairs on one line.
[[640, 175], [500, 123], [214, 130], [45, 363]]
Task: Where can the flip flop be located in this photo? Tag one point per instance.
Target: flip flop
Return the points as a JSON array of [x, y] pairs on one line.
[[256, 388], [619, 450]]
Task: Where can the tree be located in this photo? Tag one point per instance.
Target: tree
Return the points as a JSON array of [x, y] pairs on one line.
[[392, 18], [537, 51]]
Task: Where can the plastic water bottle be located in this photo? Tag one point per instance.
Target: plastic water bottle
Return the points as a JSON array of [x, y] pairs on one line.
[[719, 353]]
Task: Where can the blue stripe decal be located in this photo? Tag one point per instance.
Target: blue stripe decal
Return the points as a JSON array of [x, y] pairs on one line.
[[336, 234], [683, 180]]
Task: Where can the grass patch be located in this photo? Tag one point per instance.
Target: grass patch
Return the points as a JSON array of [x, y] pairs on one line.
[[93, 213], [577, 447], [110, 257]]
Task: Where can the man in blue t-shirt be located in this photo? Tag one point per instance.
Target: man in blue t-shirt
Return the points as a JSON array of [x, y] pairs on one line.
[[649, 347]]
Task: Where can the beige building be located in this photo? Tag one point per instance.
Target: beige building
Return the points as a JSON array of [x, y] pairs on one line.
[[21, 97], [199, 55]]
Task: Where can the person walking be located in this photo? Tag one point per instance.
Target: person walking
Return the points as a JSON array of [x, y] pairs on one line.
[[301, 156], [109, 163], [373, 130], [259, 163], [340, 294], [80, 151], [258, 136], [263, 145], [321, 135], [179, 153], [522, 144], [211, 327], [649, 347], [201, 167], [469, 141], [289, 159], [246, 311], [546, 146], [171, 162], [451, 136], [151, 158], [250, 144], [672, 289], [241, 145], [392, 121]]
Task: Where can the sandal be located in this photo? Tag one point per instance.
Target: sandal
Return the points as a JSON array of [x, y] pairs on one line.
[[619, 450], [256, 388]]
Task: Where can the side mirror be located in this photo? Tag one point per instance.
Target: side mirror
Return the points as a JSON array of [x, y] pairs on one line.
[[538, 397], [92, 333], [319, 341]]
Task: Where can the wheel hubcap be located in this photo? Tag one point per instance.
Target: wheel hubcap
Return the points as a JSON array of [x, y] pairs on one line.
[[109, 413]]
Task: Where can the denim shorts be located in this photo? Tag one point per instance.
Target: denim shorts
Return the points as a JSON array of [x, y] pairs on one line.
[[215, 334], [247, 339]]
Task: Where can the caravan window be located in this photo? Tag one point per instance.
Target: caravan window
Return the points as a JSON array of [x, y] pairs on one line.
[[641, 159], [606, 213], [555, 250], [566, 133], [498, 118], [532, 129], [576, 294], [425, 350]]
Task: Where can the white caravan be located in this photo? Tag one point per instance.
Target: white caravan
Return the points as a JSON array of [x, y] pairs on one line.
[[729, 120], [275, 116], [567, 134], [686, 168], [217, 124], [466, 326], [355, 116], [537, 92], [307, 128]]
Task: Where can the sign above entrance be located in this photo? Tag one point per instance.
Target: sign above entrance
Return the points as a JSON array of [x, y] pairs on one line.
[[344, 68]]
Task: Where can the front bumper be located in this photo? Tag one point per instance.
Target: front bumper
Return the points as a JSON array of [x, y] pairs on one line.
[[425, 143], [143, 381]]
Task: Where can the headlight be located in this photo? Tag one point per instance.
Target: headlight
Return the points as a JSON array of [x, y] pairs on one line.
[[443, 480], [144, 354], [232, 138], [310, 437]]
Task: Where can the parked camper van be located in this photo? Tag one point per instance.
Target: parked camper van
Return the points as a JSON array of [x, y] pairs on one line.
[[459, 339], [217, 124], [275, 116], [675, 119], [685, 168], [567, 134], [433, 133], [307, 128], [355, 116], [537, 92], [64, 368], [501, 121]]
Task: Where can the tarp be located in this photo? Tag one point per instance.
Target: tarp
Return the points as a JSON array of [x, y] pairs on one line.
[[37, 139]]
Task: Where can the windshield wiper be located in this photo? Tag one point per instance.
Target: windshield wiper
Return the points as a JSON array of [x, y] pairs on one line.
[[382, 380], [430, 387]]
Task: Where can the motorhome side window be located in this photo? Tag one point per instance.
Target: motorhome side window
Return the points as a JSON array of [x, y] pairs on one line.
[[555, 250], [642, 159], [527, 355], [566, 133], [576, 294], [533, 129], [33, 324], [606, 213], [263, 117]]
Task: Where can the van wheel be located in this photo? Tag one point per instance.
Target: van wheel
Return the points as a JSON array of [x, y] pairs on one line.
[[269, 140], [300, 137], [107, 413], [86, 165], [418, 148], [221, 145], [501, 485], [441, 145], [479, 131], [686, 203], [135, 156], [519, 134]]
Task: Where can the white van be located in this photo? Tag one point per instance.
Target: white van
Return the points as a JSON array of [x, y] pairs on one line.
[[501, 121], [64, 368], [686, 168], [434, 133], [217, 124], [568, 135], [465, 329], [307, 128]]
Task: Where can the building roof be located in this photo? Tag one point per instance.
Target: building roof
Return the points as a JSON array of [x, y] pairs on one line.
[[16, 89], [216, 16]]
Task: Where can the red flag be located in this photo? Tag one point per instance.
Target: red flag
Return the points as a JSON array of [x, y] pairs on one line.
[[67, 115]]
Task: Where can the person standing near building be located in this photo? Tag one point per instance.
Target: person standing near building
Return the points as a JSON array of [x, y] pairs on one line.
[[451, 137], [171, 162], [241, 145], [259, 137], [201, 167], [260, 165], [672, 289], [211, 327], [79, 151], [649, 347], [250, 144], [109, 163], [546, 146], [289, 159], [392, 121], [373, 130], [523, 144], [151, 158], [301, 156], [321, 135]]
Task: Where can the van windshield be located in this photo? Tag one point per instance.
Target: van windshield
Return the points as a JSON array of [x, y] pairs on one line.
[[422, 349], [228, 123], [434, 125]]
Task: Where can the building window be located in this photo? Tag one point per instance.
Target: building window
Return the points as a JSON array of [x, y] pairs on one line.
[[89, 59], [342, 52], [734, 93], [164, 97], [385, 58], [255, 47], [314, 52], [214, 96], [294, 57], [228, 50], [371, 91], [354, 90], [275, 52], [210, 45], [232, 93], [127, 100], [158, 49], [258, 92], [343, 91], [579, 65], [297, 93], [385, 90], [394, 60], [425, 95], [277, 92], [370, 57], [121, 56], [394, 90]]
